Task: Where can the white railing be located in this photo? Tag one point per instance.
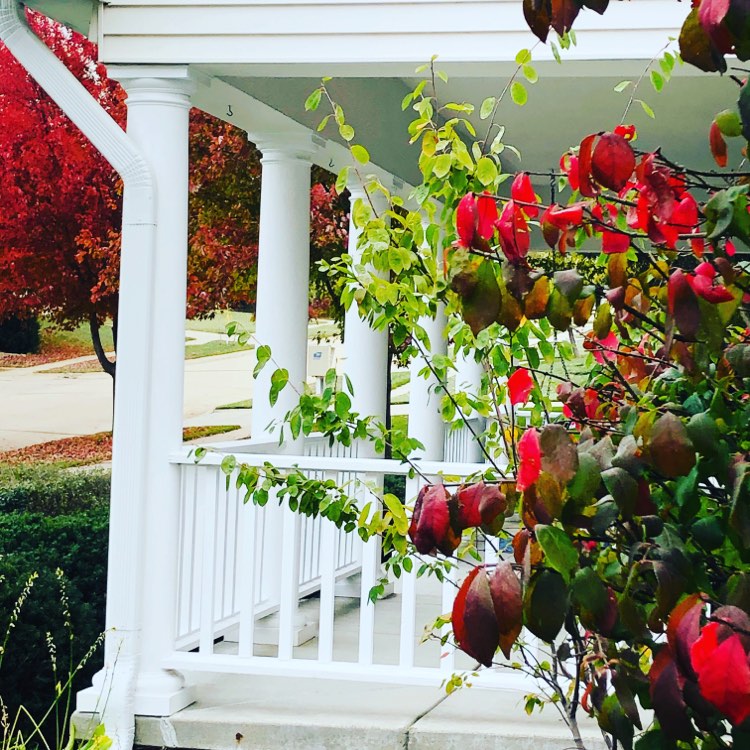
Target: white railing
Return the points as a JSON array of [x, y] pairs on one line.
[[266, 591]]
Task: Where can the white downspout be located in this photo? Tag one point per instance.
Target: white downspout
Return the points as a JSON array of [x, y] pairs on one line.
[[134, 362]]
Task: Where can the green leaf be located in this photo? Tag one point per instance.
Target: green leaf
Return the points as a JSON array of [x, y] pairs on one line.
[[346, 132], [523, 57], [622, 86], [646, 109], [486, 171], [545, 604], [442, 166], [487, 106], [228, 464], [279, 379], [398, 512], [313, 101], [342, 405], [360, 153], [530, 73], [262, 354], [342, 180], [729, 123], [518, 93], [558, 549], [657, 81]]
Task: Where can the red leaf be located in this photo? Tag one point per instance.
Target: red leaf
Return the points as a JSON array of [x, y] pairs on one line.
[[569, 165], [612, 162], [666, 695], [563, 14], [466, 219], [683, 629], [718, 145], [703, 287], [712, 15], [614, 242], [520, 385], [522, 191], [431, 526], [682, 304], [723, 672], [486, 216], [507, 598], [626, 131], [586, 187], [474, 622], [479, 504], [514, 232], [529, 459]]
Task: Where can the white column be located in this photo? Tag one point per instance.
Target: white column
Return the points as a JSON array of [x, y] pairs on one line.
[[365, 349], [425, 421], [141, 628], [281, 312], [469, 380]]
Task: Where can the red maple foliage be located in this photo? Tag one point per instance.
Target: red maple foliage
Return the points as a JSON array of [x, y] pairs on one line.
[[62, 203]]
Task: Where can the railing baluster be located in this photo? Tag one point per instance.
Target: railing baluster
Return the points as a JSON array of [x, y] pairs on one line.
[[289, 590], [409, 595], [447, 662], [328, 534], [370, 574], [248, 559], [207, 499]]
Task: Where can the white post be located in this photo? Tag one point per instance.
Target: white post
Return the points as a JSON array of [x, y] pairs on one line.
[[425, 421], [365, 349], [281, 312], [158, 110]]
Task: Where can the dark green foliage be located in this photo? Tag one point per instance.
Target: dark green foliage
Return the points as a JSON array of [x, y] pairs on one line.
[[19, 335], [36, 536]]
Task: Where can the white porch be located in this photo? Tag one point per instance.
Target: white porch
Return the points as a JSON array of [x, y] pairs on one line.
[[213, 599]]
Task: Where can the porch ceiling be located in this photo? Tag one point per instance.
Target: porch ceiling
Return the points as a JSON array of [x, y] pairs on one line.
[[566, 103]]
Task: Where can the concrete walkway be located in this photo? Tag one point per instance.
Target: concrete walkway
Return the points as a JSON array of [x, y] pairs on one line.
[[36, 406]]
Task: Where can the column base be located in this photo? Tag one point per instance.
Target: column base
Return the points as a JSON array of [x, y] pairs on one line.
[[152, 698]]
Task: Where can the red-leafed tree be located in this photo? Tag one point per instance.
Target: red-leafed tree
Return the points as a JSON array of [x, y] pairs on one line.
[[60, 226]]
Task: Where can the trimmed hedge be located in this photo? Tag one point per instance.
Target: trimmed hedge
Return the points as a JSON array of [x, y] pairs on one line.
[[50, 519], [40, 488]]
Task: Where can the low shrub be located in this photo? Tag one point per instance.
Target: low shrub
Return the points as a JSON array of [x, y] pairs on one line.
[[52, 520], [19, 335]]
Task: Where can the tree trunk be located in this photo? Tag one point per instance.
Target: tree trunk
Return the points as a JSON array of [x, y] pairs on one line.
[[107, 365]]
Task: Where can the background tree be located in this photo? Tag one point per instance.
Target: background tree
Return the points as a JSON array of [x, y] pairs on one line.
[[60, 228]]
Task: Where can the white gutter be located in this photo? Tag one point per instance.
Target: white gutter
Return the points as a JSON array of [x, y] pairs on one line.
[[122, 648]]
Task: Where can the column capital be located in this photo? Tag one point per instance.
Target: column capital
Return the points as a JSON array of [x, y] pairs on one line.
[[276, 146], [155, 84]]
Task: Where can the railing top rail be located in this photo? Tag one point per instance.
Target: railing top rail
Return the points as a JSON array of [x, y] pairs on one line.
[[331, 463]]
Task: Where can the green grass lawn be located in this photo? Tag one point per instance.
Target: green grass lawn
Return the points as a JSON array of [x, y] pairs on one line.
[[219, 322], [211, 348], [399, 379]]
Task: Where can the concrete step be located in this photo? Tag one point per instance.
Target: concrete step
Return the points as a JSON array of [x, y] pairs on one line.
[[277, 713]]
